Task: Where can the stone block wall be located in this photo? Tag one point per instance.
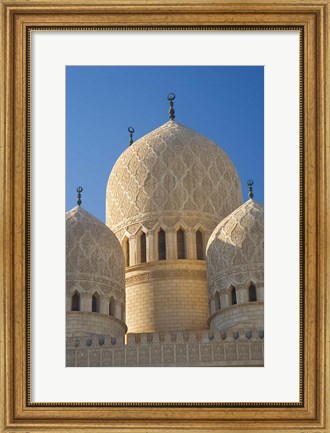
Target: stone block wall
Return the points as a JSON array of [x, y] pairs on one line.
[[87, 323], [245, 316], [165, 296]]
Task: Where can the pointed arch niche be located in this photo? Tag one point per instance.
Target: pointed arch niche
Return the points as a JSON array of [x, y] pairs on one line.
[[75, 301], [161, 245], [125, 247], [252, 293], [233, 297], [112, 305], [95, 303], [199, 245], [143, 248], [217, 304], [180, 244]]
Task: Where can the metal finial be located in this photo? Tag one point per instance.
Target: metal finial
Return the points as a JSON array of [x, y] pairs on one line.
[[131, 132], [79, 191], [171, 111], [250, 184]]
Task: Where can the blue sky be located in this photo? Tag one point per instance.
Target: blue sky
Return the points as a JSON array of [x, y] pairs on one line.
[[224, 103]]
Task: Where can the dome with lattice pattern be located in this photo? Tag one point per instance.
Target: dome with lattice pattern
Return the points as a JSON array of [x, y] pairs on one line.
[[172, 171], [94, 257], [236, 246]]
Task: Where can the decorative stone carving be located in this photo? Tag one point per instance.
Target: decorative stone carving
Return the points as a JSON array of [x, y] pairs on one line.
[[168, 354], [94, 257], [192, 348], [201, 177], [236, 244], [94, 358], [107, 357], [235, 259], [70, 358]]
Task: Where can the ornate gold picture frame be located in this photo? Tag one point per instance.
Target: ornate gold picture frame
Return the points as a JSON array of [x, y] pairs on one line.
[[18, 413]]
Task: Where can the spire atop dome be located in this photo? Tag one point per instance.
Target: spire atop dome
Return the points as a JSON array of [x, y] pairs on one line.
[[131, 131], [79, 191], [250, 185], [171, 111]]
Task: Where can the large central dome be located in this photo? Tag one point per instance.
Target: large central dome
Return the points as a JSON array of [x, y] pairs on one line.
[[171, 170]]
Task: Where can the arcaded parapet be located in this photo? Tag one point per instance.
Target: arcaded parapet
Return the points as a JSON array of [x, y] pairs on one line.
[[166, 296], [181, 349], [235, 267], [95, 268], [174, 173]]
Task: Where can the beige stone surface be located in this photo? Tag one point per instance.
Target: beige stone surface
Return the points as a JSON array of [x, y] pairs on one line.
[[240, 316], [173, 173], [94, 261], [235, 260], [237, 240], [181, 349], [176, 181], [87, 323], [166, 295]]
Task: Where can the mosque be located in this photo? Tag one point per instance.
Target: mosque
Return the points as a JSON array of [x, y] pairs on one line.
[[176, 275]]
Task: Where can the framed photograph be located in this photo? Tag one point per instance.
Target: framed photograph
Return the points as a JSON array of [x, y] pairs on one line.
[[165, 172], [176, 267]]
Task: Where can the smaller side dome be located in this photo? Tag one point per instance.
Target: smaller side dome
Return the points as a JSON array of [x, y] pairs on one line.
[[95, 276], [237, 240], [235, 269], [93, 252]]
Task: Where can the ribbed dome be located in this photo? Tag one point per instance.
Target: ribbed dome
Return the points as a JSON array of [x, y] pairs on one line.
[[173, 170], [94, 258], [237, 242]]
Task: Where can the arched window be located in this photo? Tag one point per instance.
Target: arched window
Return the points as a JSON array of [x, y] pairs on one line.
[[75, 302], [112, 306], [161, 245], [199, 245], [252, 293], [233, 296], [96, 303], [143, 250], [180, 244], [217, 301], [125, 245]]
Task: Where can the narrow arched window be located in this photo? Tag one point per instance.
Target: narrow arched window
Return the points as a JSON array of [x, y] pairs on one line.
[[252, 293], [199, 245], [161, 245], [233, 296], [112, 306], [125, 245], [217, 301], [180, 244], [95, 303], [143, 250], [75, 302]]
